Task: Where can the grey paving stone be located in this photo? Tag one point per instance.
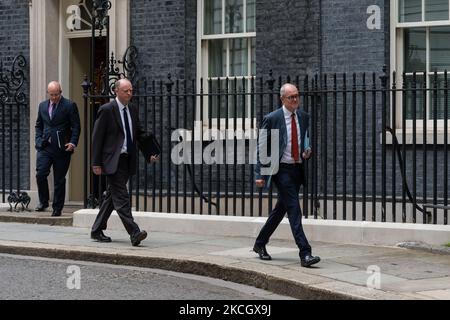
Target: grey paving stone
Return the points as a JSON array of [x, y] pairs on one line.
[[420, 285], [405, 274], [361, 278]]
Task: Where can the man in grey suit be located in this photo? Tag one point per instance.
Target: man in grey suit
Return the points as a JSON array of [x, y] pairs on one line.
[[288, 174], [57, 133], [116, 131]]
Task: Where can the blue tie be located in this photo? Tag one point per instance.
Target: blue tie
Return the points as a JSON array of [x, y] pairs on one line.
[[130, 144]]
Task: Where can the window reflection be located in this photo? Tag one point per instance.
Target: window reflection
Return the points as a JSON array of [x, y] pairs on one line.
[[440, 49], [213, 17], [251, 16], [234, 16], [238, 57], [415, 49], [436, 10], [410, 10], [217, 58]]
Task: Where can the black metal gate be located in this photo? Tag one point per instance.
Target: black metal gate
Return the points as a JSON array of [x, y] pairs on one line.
[[14, 104], [98, 89]]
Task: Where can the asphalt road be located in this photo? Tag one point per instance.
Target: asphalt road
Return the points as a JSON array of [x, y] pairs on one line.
[[33, 278]]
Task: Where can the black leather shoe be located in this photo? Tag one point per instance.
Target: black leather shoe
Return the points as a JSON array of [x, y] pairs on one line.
[[262, 252], [100, 237], [309, 260], [138, 237], [41, 208], [56, 213]]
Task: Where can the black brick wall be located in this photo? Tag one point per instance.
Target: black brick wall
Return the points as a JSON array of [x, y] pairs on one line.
[[293, 38], [165, 34], [347, 44], [287, 39], [14, 40], [288, 42]]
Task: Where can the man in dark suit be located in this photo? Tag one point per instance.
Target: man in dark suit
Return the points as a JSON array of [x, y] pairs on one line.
[[116, 131], [57, 133], [291, 125]]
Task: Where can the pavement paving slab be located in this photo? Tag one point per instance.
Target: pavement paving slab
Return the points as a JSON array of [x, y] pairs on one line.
[[345, 271]]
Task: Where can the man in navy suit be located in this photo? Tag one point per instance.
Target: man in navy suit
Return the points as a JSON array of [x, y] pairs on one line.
[[57, 134], [116, 136], [288, 173]]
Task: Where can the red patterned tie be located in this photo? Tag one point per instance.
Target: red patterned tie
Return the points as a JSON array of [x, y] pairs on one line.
[[294, 144]]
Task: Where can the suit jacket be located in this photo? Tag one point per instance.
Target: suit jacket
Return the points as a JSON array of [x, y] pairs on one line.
[[64, 125], [108, 137], [276, 120]]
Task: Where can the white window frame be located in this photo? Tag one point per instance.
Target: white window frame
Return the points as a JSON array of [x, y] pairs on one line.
[[203, 63], [397, 62]]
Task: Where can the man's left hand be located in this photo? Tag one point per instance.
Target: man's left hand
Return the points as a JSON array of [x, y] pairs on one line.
[[69, 147], [307, 154], [154, 158]]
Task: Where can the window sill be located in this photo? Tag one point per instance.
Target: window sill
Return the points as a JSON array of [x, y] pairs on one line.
[[419, 137]]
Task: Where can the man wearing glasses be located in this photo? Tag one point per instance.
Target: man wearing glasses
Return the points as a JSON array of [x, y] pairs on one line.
[[291, 124], [57, 134]]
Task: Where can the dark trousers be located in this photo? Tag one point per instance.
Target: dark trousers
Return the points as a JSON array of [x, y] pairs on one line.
[[288, 181], [117, 198], [60, 161]]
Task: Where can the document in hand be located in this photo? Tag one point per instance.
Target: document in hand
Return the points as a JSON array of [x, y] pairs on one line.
[[62, 139], [306, 144], [150, 147]]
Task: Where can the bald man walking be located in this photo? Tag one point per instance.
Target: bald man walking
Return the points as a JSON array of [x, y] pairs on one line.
[[57, 133], [116, 136]]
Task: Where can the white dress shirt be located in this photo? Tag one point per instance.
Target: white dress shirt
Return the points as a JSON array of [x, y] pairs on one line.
[[287, 156], [121, 107]]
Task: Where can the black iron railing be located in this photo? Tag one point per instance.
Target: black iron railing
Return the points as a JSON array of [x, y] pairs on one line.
[[14, 177], [379, 141]]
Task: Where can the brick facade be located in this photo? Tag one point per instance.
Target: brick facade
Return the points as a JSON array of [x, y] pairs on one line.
[[14, 41], [287, 37], [165, 34], [293, 38]]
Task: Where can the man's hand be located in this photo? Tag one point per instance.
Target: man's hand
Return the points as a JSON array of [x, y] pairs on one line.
[[97, 170], [260, 183], [69, 147], [307, 154], [154, 158]]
